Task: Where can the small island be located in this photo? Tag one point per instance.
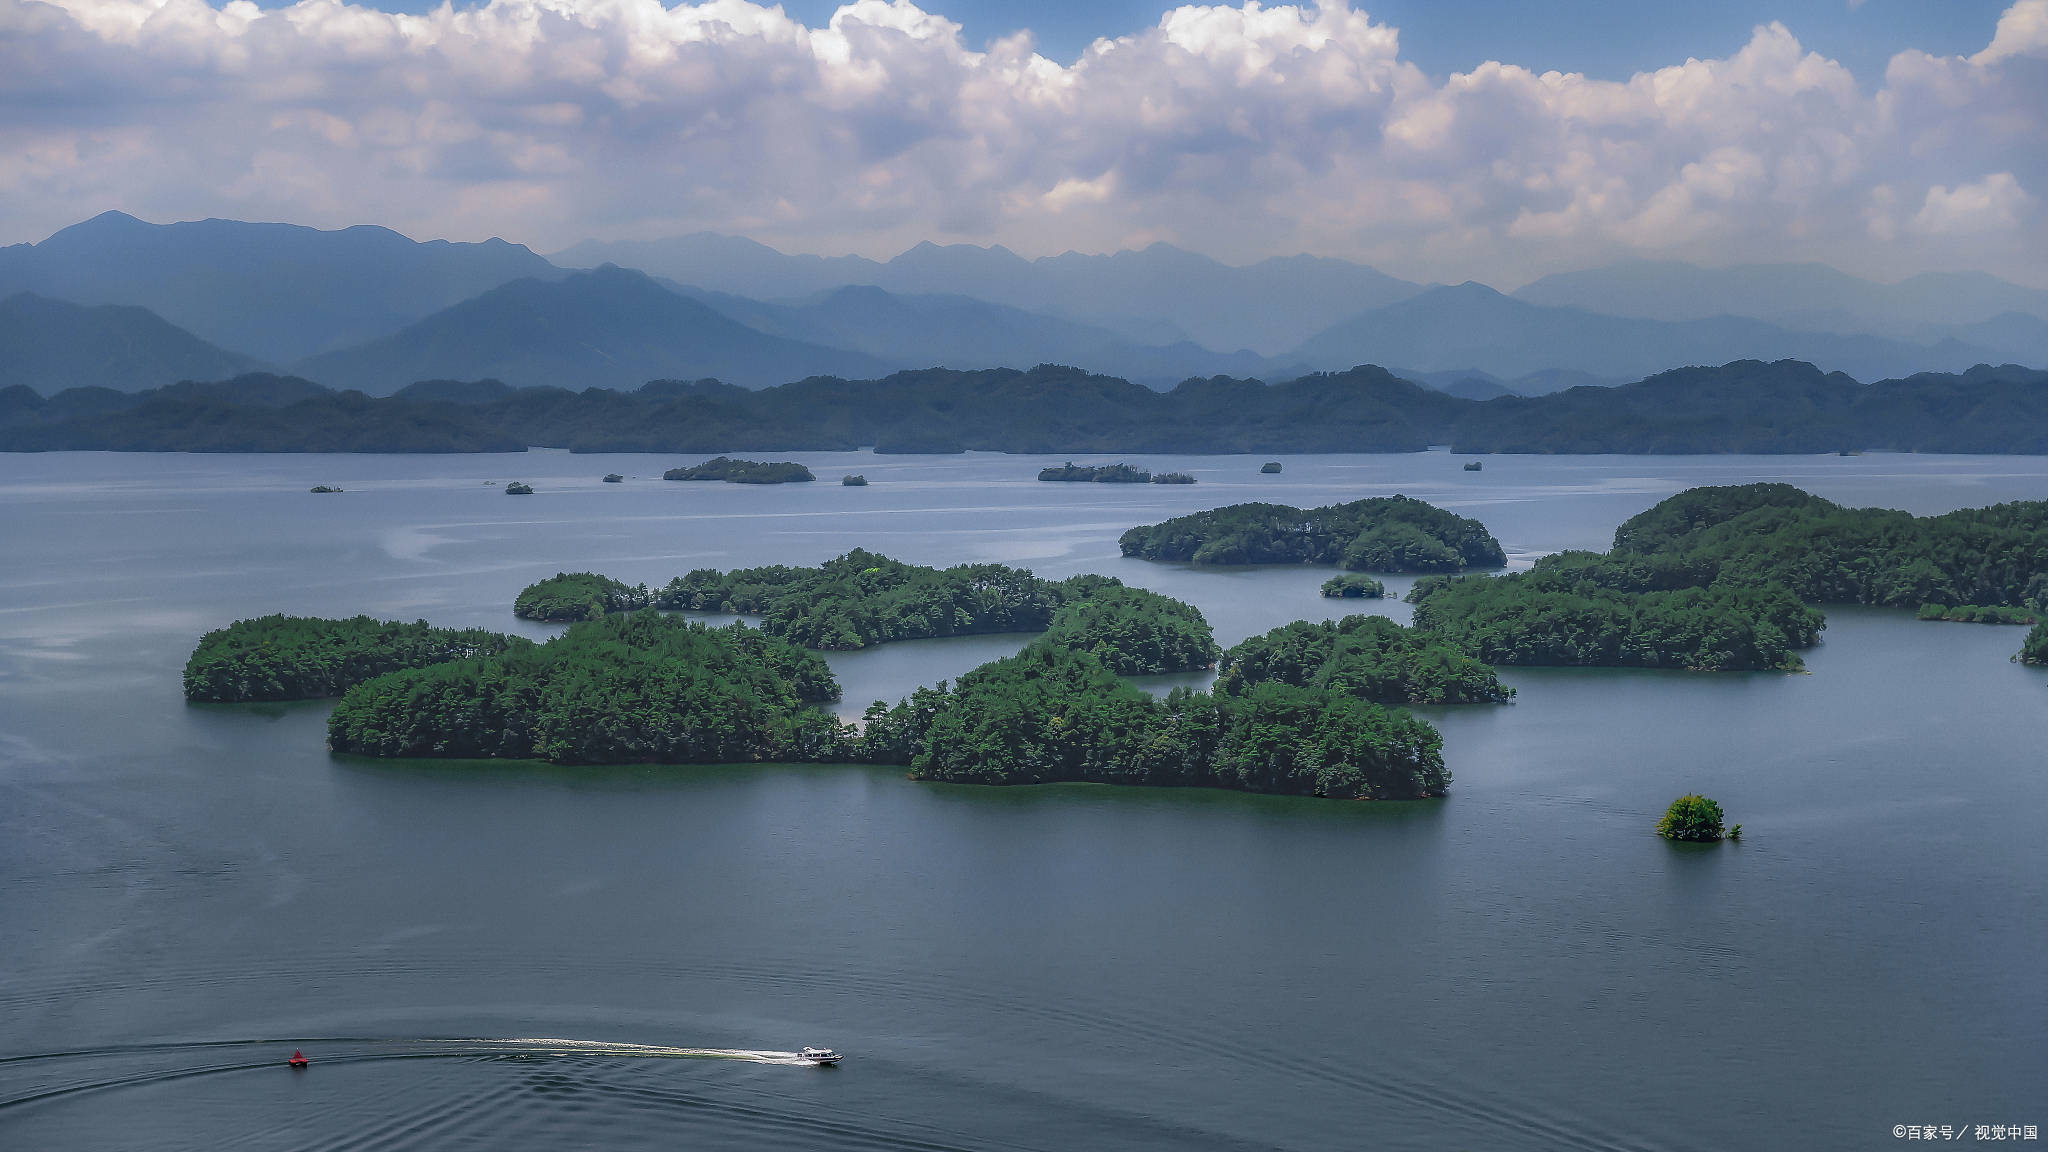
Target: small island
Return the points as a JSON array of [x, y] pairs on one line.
[[1382, 534], [1172, 478], [1352, 586], [322, 488], [1098, 474], [1270, 468], [743, 472], [854, 481], [614, 478], [570, 596], [1695, 819], [2034, 650], [1474, 465], [516, 488], [301, 658]]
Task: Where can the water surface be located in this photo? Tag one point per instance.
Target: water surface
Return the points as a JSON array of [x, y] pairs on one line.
[[191, 891]]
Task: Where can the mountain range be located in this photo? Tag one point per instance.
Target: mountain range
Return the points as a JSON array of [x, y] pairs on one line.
[[117, 302]]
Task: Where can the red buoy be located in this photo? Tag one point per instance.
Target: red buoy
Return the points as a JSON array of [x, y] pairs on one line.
[[298, 1059]]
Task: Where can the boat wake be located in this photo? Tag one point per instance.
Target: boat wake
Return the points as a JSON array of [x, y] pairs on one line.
[[555, 1046]]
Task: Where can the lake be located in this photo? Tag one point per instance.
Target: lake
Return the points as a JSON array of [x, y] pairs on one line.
[[190, 892]]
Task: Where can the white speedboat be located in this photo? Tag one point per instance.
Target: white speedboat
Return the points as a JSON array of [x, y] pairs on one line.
[[818, 1056]]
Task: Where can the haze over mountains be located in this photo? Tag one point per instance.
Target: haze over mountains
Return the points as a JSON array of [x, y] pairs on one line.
[[368, 309]]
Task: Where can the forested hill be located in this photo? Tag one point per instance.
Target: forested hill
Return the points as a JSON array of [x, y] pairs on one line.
[[1746, 406]]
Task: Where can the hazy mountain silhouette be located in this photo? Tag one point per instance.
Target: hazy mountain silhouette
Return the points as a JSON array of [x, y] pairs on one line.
[[50, 345], [947, 331], [1471, 326], [1812, 297], [611, 328], [1158, 296], [278, 292]]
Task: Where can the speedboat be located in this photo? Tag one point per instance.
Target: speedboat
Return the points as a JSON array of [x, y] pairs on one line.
[[818, 1056]]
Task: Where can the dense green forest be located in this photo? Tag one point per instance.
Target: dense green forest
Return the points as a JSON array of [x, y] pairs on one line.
[[1381, 534], [1717, 578], [1828, 554], [1560, 615], [627, 688], [743, 472], [569, 596], [298, 658], [863, 598], [1370, 657], [1051, 713], [1979, 614], [1745, 406], [1131, 631], [1352, 586]]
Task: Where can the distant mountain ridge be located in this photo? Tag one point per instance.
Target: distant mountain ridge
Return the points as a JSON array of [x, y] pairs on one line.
[[1807, 297], [946, 331], [1156, 296], [273, 292], [51, 345], [1471, 326], [609, 328], [1052, 412], [368, 308]]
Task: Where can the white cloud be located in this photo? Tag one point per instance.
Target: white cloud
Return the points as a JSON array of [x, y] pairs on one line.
[[1995, 204], [1243, 131]]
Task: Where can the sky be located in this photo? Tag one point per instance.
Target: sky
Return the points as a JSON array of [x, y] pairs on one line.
[[1438, 140]]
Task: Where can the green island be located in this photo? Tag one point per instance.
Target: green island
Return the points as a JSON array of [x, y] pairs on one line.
[[1979, 614], [1562, 614], [1369, 657], [569, 596], [1380, 534], [1352, 586], [1696, 819], [322, 489], [1722, 578], [1099, 474], [2034, 650], [517, 488], [1054, 714], [1131, 631], [743, 472], [854, 481], [864, 598], [614, 478], [627, 688], [301, 658]]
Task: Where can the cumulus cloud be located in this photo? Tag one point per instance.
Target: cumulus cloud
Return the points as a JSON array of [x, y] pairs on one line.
[[1243, 131]]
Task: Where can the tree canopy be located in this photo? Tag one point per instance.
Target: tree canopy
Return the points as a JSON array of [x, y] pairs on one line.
[[1368, 657], [299, 658], [569, 596], [1380, 534], [634, 687]]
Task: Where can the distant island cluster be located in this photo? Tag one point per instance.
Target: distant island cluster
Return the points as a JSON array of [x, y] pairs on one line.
[[1712, 579]]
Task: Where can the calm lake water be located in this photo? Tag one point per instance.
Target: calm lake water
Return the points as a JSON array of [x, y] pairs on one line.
[[187, 893]]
